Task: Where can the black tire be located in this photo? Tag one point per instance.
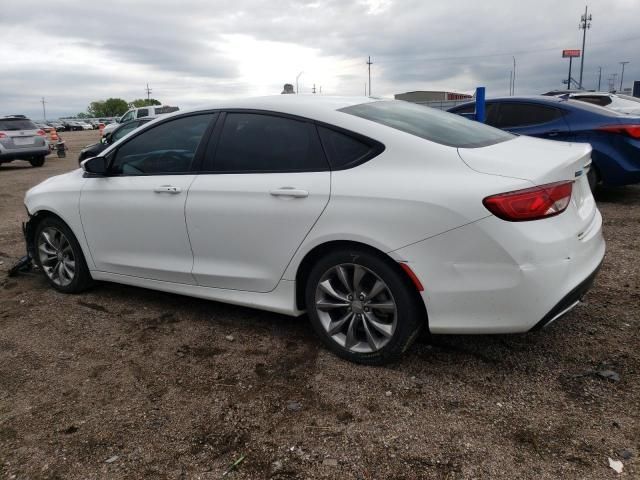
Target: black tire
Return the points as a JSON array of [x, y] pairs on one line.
[[81, 278], [37, 161], [409, 309]]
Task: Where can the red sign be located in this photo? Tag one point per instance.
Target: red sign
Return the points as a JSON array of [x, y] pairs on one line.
[[570, 53]]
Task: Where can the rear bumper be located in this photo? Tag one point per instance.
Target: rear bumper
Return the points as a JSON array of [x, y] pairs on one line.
[[492, 276], [568, 303], [24, 153]]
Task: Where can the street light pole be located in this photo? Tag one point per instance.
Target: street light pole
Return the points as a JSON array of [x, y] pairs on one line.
[[599, 77], [585, 24], [44, 111], [297, 77]]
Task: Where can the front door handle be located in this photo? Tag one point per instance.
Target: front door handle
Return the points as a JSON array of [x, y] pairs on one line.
[[289, 192], [167, 189], [553, 133]]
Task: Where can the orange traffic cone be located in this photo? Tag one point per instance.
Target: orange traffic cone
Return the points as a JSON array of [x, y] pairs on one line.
[[53, 135]]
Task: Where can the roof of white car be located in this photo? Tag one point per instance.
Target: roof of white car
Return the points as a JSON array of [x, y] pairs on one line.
[[312, 106]]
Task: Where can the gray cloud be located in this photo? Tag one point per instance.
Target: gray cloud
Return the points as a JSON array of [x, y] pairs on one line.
[[414, 45]]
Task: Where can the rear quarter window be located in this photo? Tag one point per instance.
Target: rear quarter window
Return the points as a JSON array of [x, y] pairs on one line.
[[345, 151], [428, 123]]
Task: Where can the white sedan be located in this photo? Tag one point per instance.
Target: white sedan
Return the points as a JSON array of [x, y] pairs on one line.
[[612, 101], [376, 217]]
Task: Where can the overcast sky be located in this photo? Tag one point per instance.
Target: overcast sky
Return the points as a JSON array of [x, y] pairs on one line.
[[191, 52]]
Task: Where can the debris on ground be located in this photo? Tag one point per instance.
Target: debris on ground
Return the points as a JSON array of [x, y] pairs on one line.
[[111, 459], [617, 465], [233, 466], [229, 338]]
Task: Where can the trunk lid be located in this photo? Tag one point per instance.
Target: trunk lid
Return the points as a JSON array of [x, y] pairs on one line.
[[541, 162]]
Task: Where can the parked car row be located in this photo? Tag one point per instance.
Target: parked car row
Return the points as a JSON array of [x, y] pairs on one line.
[[614, 136]]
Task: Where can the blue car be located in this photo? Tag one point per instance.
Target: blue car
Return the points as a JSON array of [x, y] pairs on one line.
[[614, 137]]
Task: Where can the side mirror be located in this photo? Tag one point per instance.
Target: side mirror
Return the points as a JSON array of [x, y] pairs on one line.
[[95, 166], [107, 138]]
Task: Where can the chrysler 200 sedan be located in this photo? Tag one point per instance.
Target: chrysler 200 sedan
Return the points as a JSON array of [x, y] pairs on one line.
[[376, 217]]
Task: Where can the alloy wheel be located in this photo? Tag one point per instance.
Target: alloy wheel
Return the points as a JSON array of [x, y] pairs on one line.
[[356, 308], [56, 256]]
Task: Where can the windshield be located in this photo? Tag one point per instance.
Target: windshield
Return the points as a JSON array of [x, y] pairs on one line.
[[428, 123], [12, 124]]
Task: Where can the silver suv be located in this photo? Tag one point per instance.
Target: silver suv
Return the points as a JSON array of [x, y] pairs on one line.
[[21, 139]]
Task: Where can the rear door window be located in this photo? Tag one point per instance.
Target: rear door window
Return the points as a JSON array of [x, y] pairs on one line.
[[513, 114], [251, 143], [143, 112]]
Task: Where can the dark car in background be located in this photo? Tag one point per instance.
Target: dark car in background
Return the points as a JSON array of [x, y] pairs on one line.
[[111, 137], [614, 137]]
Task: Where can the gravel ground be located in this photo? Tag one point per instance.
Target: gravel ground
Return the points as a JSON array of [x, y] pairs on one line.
[[122, 382]]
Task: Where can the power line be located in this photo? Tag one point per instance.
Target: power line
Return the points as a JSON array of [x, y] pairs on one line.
[[585, 24], [484, 55]]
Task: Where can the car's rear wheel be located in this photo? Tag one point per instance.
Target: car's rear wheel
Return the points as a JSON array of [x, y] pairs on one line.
[[362, 306], [60, 257], [37, 161]]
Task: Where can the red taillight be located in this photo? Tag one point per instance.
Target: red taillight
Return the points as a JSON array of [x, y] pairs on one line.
[[632, 131], [531, 203], [42, 133], [3, 135]]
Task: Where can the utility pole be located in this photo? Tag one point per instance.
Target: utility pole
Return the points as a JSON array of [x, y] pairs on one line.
[[44, 111], [314, 89], [510, 81], [599, 77], [148, 92], [369, 63], [514, 76], [622, 74], [297, 77], [585, 24]]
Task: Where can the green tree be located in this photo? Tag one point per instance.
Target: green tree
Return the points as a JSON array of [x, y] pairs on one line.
[[83, 115], [111, 107], [143, 102]]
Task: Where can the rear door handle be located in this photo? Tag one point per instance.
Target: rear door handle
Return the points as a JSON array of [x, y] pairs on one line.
[[553, 133], [289, 192], [167, 189]]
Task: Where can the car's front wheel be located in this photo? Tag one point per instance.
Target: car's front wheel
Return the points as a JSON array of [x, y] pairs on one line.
[[60, 257], [362, 306]]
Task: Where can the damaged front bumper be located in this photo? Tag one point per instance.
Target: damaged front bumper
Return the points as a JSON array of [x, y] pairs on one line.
[[25, 264]]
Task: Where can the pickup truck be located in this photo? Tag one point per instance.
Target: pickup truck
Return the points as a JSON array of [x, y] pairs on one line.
[[133, 113]]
